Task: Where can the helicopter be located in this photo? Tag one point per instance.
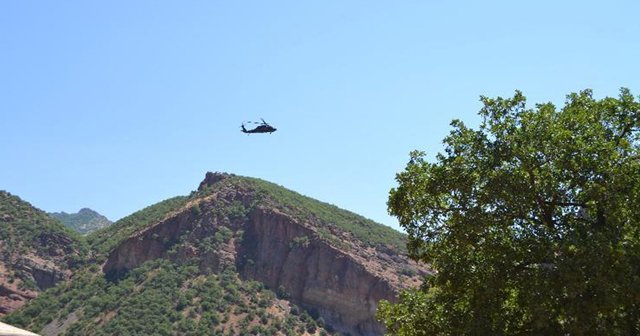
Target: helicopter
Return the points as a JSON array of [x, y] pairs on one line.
[[263, 127]]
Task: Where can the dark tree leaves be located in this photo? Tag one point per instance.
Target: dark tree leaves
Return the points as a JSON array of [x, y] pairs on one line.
[[532, 221]]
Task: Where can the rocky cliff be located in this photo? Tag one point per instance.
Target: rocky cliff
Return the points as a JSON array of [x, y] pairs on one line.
[[288, 256], [36, 252], [316, 258]]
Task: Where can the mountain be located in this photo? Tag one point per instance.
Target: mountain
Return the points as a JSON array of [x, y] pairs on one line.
[[36, 252], [238, 256], [84, 221]]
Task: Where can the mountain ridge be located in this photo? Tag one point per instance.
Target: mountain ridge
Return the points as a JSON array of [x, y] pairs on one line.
[[274, 230], [84, 221], [333, 264], [36, 252]]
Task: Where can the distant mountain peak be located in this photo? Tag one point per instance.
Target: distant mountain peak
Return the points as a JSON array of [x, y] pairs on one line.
[[84, 221], [87, 211]]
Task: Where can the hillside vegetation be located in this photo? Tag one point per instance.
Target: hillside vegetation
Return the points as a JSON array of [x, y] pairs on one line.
[[102, 241], [180, 267], [24, 228], [322, 214], [84, 221], [36, 252], [162, 298]]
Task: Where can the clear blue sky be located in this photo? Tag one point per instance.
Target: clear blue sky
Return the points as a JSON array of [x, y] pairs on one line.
[[116, 105]]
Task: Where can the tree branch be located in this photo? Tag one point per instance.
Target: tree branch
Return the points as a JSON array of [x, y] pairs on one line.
[[547, 214]]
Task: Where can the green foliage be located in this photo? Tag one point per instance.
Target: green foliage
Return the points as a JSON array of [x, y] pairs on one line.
[[195, 210], [106, 239], [24, 229], [324, 214], [158, 298], [532, 221], [408, 271], [223, 234], [282, 292], [299, 242], [84, 221], [328, 219], [237, 210]]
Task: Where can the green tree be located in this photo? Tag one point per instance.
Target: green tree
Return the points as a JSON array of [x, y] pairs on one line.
[[532, 222]]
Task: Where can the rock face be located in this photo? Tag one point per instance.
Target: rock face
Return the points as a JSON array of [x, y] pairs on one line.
[[35, 252], [148, 244], [235, 225], [12, 296], [13, 292], [288, 256]]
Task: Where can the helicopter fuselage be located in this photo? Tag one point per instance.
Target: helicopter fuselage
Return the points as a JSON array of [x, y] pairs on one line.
[[264, 128]]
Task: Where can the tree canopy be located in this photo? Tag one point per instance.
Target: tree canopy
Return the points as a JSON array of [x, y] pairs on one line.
[[532, 222]]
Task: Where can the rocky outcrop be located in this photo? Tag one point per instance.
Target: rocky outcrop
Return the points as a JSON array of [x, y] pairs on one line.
[[211, 179], [22, 279], [36, 252], [12, 297], [46, 274], [14, 293], [148, 244], [266, 244], [287, 256]]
